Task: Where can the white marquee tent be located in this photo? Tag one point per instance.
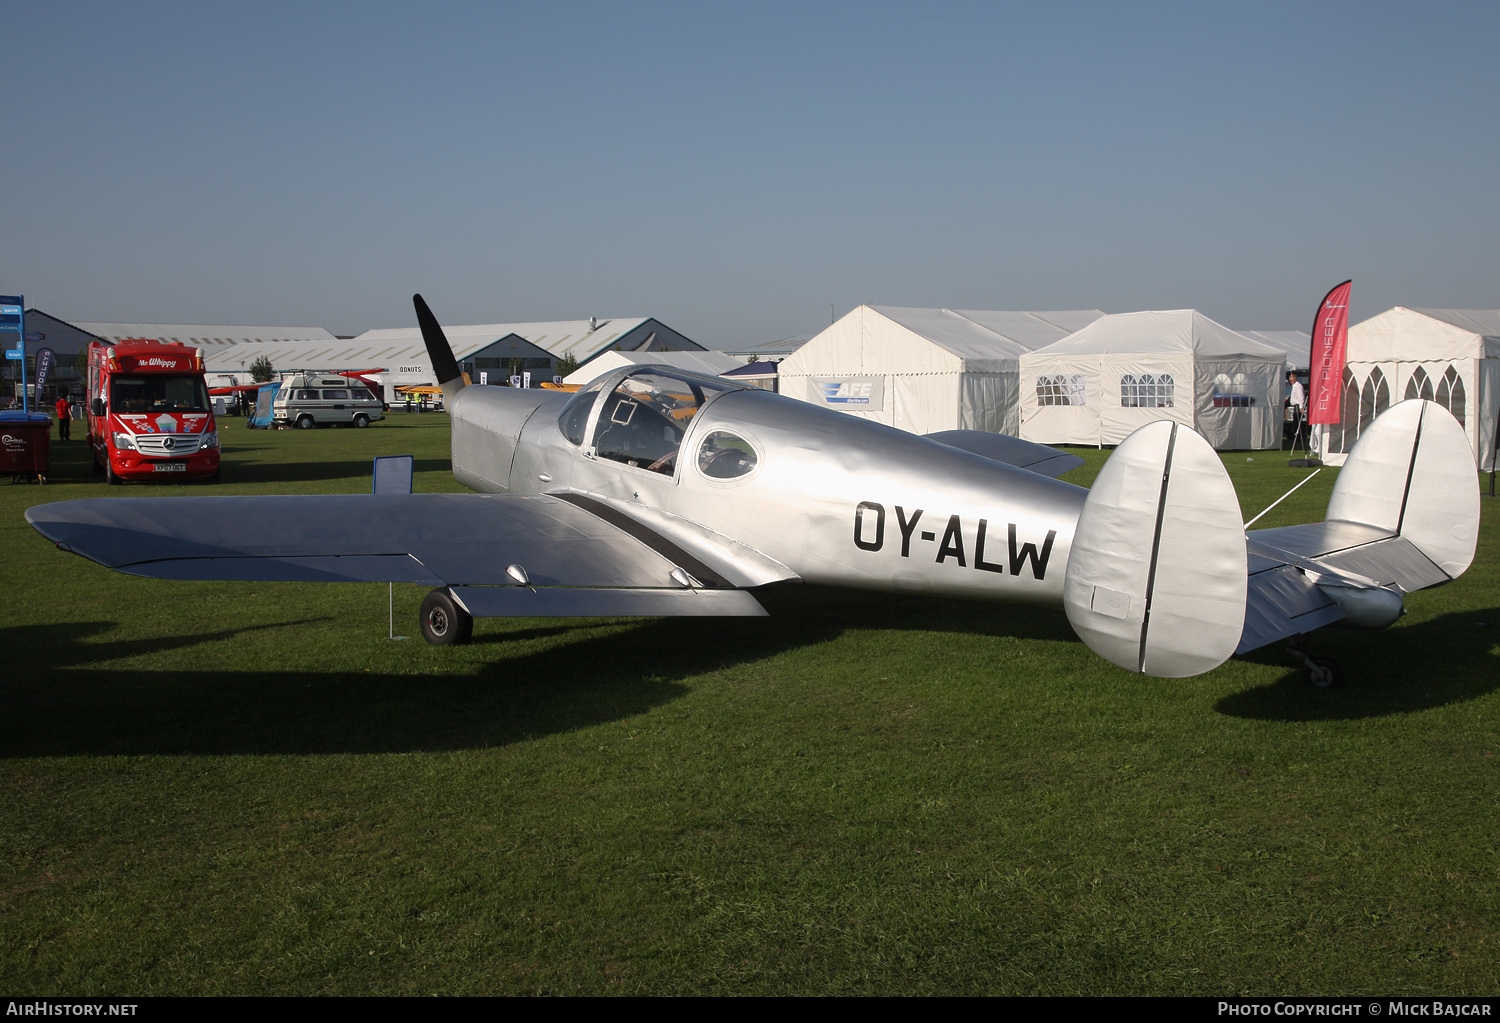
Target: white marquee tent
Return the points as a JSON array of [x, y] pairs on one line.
[[1296, 343], [1450, 356], [925, 370], [1124, 371]]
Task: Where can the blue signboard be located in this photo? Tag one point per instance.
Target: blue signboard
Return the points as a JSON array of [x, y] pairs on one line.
[[13, 318]]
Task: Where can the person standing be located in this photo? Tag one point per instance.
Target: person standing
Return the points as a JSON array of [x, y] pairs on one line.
[[64, 416], [1298, 403]]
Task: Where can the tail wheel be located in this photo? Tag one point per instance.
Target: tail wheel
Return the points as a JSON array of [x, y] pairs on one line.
[[444, 622], [1324, 672]]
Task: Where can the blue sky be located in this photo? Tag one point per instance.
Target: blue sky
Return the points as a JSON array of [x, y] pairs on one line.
[[734, 170]]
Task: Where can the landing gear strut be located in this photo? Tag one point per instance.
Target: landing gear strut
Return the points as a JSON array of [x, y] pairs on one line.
[[444, 621], [1321, 672]]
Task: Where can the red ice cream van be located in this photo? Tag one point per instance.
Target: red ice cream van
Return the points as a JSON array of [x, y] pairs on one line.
[[149, 412]]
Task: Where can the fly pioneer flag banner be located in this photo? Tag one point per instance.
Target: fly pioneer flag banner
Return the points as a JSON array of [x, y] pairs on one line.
[[1330, 337]]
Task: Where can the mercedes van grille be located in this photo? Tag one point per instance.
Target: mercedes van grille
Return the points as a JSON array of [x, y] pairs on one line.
[[168, 445]]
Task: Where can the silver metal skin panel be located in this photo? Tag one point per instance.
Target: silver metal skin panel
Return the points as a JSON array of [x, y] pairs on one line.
[[920, 506], [487, 422], [457, 539]]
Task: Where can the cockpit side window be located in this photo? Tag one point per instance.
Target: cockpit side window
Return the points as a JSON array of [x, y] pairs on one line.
[[643, 420], [725, 456]]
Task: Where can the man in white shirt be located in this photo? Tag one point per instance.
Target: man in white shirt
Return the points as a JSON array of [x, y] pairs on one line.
[[1298, 404]]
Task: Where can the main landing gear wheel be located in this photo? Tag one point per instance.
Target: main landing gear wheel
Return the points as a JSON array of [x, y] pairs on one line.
[[1321, 672], [444, 623]]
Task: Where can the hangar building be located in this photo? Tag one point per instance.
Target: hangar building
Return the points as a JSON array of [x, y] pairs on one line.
[[497, 348]]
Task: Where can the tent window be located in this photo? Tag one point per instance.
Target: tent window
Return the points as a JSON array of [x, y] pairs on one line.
[[1419, 386], [1232, 392], [1060, 389], [1341, 435], [1450, 394], [1374, 398], [1146, 390]]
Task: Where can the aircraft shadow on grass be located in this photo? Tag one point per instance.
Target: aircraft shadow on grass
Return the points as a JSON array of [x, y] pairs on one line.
[[64, 703], [1450, 659]]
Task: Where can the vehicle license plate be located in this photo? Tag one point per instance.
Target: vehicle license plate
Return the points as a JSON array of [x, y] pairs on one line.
[[169, 467]]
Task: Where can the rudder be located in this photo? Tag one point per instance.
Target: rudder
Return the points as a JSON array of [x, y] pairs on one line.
[[1412, 473], [1157, 576]]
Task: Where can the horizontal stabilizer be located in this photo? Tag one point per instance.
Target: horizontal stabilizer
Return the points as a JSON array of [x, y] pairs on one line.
[[1404, 515], [1023, 454], [1156, 580]]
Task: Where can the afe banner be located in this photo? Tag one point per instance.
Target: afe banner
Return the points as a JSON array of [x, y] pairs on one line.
[[1330, 338], [852, 394]]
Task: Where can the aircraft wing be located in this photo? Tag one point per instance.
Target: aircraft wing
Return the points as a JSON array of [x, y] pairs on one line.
[[575, 562], [1023, 454]]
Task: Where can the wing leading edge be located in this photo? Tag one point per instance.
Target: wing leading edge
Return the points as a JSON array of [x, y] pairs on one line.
[[574, 562]]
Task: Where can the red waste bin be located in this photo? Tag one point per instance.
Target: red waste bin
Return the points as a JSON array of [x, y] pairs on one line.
[[25, 445]]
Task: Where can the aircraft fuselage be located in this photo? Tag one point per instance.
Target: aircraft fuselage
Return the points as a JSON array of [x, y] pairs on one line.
[[837, 499]]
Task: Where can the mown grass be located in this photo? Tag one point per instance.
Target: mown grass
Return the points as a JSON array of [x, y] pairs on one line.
[[246, 788]]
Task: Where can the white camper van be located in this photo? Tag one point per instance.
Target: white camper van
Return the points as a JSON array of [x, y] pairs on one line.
[[310, 399]]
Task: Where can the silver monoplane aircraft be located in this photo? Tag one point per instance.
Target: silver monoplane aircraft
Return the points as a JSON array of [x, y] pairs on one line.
[[657, 492]]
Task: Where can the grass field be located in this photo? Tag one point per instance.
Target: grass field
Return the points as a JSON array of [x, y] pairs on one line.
[[247, 788]]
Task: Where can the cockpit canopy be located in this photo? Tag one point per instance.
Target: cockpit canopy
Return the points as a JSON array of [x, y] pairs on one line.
[[639, 415]]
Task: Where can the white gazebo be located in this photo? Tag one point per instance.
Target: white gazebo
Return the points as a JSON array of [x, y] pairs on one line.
[[1450, 356], [925, 370], [1121, 372]]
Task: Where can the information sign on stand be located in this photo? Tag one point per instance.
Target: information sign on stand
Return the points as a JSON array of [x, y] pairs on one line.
[[13, 328]]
